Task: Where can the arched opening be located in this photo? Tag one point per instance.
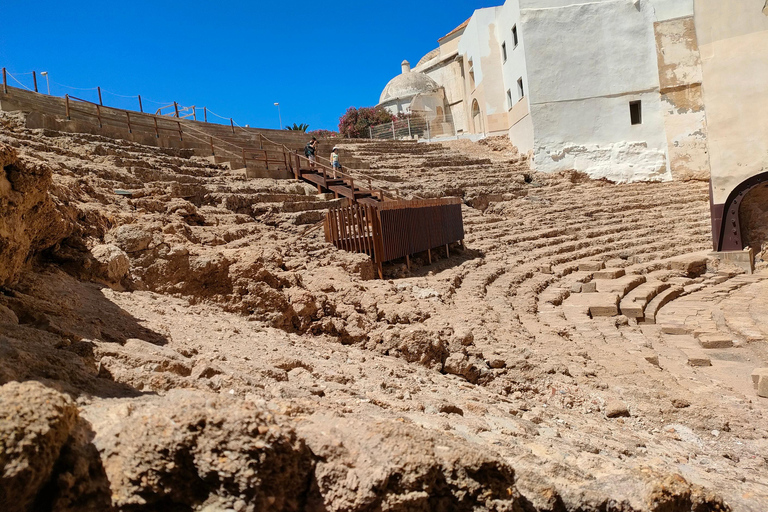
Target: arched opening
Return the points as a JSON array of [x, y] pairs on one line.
[[729, 219], [477, 118], [753, 218]]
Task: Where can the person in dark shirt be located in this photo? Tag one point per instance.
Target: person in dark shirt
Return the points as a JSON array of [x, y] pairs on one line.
[[309, 151]]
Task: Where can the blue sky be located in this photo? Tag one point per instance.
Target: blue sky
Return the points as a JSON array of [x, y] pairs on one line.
[[235, 57]]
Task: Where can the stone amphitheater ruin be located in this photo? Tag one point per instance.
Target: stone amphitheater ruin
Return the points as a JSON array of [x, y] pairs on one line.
[[192, 342]]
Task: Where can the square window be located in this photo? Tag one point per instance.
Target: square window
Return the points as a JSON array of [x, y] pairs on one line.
[[636, 112], [514, 35], [504, 51], [520, 90], [509, 99]]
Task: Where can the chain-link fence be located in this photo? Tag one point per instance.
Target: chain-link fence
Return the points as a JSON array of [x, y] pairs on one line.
[[415, 126]]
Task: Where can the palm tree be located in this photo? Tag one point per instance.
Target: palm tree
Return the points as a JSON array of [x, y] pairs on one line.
[[298, 127]]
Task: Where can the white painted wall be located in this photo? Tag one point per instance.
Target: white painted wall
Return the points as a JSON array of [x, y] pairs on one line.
[[585, 62], [521, 126], [480, 43]]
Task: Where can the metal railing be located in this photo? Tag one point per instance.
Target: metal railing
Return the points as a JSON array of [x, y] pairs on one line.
[[416, 125]]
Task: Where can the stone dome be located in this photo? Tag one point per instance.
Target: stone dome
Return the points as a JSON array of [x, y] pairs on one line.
[[407, 85]]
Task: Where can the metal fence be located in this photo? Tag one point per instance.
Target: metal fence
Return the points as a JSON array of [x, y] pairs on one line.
[[415, 126]]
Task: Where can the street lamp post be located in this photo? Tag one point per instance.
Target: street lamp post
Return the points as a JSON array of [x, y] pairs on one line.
[[48, 83], [279, 117]]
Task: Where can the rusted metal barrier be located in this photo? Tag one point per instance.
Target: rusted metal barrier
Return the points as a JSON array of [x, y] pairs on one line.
[[395, 229]]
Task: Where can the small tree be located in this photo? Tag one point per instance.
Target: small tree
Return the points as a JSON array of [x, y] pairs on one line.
[[298, 127], [355, 122]]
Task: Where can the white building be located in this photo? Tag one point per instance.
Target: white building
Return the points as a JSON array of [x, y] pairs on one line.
[[578, 85], [627, 90]]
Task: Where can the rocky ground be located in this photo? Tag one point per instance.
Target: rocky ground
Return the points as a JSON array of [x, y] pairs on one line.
[[192, 343]]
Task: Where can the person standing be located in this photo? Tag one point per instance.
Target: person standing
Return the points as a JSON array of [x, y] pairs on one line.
[[335, 159], [310, 151]]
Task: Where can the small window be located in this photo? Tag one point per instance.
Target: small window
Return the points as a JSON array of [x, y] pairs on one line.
[[509, 98], [636, 112], [514, 35], [504, 51], [520, 90]]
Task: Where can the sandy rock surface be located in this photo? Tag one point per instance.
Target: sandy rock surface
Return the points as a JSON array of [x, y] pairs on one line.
[[217, 354]]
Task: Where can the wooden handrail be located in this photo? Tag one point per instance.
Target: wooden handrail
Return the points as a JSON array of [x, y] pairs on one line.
[[214, 142]]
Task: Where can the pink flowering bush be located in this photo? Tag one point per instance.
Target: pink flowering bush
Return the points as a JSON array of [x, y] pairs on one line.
[[355, 122], [323, 134]]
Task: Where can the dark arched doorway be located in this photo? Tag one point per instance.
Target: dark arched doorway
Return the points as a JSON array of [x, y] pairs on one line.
[[740, 211], [753, 219]]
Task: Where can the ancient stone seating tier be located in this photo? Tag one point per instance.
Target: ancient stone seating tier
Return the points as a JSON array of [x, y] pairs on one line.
[[699, 317], [383, 233]]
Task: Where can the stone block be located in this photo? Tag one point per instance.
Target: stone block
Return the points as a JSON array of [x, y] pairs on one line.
[[632, 309], [745, 260], [576, 287], [596, 304], [675, 329], [762, 386], [613, 273], [590, 287], [698, 359], [757, 373], [692, 265], [661, 300], [715, 340], [604, 304], [622, 285], [591, 266]]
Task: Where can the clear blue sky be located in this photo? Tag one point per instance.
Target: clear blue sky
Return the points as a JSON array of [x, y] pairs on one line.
[[235, 57]]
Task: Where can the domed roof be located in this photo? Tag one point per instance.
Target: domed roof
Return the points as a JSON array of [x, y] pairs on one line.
[[407, 85]]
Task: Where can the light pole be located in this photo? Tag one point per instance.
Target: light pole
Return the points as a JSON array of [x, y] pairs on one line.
[[279, 117], [45, 74]]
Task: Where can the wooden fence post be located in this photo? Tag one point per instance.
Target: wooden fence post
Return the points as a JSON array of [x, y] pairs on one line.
[[66, 102], [141, 107], [232, 123], [176, 108], [34, 79], [205, 113], [5, 82], [99, 89]]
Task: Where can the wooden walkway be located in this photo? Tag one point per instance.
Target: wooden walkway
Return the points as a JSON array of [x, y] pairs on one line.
[[376, 224]]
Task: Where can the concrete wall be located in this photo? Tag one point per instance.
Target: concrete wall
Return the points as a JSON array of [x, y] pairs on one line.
[[733, 40], [585, 63]]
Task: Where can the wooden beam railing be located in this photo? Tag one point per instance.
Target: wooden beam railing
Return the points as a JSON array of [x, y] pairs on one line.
[[278, 154]]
